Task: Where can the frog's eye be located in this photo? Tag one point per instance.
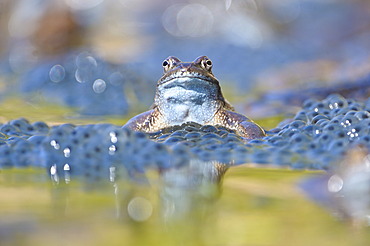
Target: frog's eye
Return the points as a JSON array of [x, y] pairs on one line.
[[169, 63], [207, 64], [165, 64]]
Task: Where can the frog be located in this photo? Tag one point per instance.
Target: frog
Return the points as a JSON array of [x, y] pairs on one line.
[[189, 92]]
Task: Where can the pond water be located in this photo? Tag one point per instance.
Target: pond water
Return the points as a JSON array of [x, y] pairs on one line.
[[248, 205], [251, 207]]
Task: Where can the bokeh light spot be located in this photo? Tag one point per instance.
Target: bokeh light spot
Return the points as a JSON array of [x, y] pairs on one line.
[[83, 4], [99, 86], [22, 58], [243, 31], [169, 21], [195, 20], [285, 11], [23, 12], [116, 78], [78, 76], [139, 209], [84, 60], [192, 20], [335, 183], [57, 73]]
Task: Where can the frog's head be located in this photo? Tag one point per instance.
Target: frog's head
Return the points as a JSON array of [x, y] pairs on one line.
[[196, 75], [188, 87], [200, 68]]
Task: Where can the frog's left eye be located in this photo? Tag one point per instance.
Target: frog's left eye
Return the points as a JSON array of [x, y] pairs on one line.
[[207, 64]]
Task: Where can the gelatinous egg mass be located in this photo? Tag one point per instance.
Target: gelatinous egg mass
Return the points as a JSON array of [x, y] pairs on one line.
[[316, 138]]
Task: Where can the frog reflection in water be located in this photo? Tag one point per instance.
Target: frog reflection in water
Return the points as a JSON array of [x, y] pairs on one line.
[[189, 92]]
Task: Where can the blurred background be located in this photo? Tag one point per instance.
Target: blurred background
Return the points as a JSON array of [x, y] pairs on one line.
[[103, 57]]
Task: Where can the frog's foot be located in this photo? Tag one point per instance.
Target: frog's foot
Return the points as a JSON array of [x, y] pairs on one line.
[[149, 121], [240, 123], [250, 130]]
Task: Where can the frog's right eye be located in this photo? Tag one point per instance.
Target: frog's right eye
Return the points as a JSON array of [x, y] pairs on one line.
[[165, 63], [169, 63]]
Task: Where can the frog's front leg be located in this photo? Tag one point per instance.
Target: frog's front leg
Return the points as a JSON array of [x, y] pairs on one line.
[[251, 130], [240, 123], [149, 121]]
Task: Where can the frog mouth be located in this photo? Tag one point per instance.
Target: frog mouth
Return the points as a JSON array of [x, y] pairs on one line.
[[184, 80], [186, 86], [187, 82]]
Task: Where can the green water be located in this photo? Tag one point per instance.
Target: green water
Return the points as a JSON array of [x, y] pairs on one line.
[[251, 206], [254, 207]]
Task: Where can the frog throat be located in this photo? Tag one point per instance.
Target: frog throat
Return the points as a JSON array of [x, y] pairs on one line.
[[186, 99]]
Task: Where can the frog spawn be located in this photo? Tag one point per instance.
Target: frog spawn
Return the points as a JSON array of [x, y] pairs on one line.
[[316, 138], [103, 152]]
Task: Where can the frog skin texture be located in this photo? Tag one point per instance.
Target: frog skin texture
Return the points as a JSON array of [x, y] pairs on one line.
[[189, 92]]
